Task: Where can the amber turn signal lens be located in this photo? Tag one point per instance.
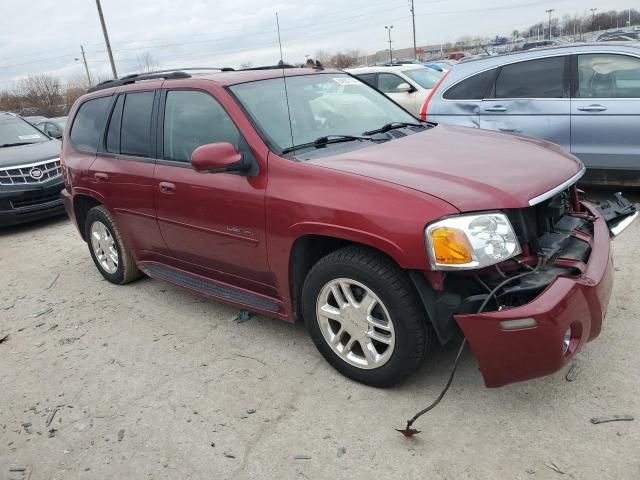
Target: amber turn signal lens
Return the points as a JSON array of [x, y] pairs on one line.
[[451, 246]]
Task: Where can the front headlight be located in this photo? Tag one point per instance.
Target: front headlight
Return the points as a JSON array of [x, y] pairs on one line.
[[471, 241]]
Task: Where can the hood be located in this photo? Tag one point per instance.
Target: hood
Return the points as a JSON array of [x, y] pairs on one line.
[[26, 154], [469, 168]]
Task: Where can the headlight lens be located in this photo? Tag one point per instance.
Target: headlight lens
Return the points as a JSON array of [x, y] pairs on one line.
[[471, 241]]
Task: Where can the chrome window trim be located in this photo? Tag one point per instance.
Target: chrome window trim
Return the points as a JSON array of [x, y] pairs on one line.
[[558, 189]]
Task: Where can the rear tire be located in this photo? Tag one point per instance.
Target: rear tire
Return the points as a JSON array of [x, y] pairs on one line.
[[364, 316], [111, 257]]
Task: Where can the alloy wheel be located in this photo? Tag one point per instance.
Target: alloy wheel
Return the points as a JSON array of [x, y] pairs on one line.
[[104, 247], [355, 323]]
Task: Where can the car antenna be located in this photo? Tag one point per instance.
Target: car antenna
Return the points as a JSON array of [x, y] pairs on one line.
[[284, 80]]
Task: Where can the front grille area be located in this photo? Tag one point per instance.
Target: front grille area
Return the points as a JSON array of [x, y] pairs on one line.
[[34, 199], [31, 173]]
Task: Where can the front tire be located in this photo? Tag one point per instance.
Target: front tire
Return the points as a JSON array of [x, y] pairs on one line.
[[112, 259], [364, 317]]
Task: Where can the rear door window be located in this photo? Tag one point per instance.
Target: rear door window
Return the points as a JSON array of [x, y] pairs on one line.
[[88, 123], [608, 76], [540, 78], [135, 129], [473, 88]]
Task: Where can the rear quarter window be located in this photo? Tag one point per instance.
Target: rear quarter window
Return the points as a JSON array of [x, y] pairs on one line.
[[88, 124], [473, 88]]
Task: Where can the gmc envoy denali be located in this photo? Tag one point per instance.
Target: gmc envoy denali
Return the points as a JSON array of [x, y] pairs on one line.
[[306, 194]]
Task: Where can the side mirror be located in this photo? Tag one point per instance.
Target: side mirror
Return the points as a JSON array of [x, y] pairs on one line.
[[218, 158], [404, 88]]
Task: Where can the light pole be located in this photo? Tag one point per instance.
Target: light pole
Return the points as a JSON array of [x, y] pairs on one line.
[[593, 19], [106, 40], [86, 67], [390, 50], [550, 11], [413, 20]]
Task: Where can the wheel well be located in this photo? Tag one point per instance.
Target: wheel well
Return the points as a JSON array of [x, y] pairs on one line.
[[306, 252], [81, 206]]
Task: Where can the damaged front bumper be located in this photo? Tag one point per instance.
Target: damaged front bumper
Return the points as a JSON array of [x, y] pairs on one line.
[[541, 336]]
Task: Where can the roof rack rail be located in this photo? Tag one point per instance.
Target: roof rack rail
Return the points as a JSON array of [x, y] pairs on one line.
[[135, 77], [270, 67], [167, 74]]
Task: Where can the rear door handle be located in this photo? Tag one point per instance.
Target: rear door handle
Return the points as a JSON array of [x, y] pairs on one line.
[[101, 177], [593, 108], [495, 108], [167, 187]]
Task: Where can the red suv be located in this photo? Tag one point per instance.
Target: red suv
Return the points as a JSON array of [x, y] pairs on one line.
[[307, 194]]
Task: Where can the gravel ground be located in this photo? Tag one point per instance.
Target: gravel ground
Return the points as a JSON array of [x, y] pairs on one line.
[[150, 381]]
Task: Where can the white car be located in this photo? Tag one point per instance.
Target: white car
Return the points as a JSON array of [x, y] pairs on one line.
[[408, 85]]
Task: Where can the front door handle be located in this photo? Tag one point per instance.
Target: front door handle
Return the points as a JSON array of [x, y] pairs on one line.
[[593, 108], [495, 108], [167, 188], [101, 177]]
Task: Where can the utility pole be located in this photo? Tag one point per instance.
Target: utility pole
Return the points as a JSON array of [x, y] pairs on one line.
[[86, 67], [593, 19], [550, 11], [106, 40], [390, 50], [413, 20]]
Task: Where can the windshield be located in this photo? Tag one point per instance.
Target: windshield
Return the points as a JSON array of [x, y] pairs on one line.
[[320, 105], [14, 131], [425, 77]]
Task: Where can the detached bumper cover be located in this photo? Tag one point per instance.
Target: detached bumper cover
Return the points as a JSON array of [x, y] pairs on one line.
[[579, 303]]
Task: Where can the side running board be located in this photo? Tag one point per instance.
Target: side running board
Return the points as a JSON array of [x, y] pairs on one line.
[[209, 287]]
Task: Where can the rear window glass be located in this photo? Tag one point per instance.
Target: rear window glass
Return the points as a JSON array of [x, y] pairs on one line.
[[474, 88], [135, 130], [542, 78], [425, 77], [88, 123]]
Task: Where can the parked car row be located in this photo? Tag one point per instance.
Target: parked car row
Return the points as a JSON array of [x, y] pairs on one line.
[[585, 98]]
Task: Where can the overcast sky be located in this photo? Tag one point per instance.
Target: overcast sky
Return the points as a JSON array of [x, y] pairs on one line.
[[45, 36]]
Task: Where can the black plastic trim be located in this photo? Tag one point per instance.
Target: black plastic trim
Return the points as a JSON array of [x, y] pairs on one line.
[[208, 287], [439, 307]]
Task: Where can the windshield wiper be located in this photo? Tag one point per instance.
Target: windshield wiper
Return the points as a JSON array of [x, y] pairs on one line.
[[392, 126], [328, 140], [16, 144]]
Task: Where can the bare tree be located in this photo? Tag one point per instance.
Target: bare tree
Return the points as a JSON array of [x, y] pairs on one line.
[[323, 57], [246, 65], [42, 94], [147, 63]]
